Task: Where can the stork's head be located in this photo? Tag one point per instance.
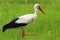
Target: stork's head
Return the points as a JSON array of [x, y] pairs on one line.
[[37, 7]]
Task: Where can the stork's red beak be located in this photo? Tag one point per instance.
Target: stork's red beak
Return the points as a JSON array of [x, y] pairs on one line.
[[41, 10]]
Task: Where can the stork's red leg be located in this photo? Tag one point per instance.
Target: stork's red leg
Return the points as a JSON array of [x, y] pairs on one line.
[[23, 33], [31, 35]]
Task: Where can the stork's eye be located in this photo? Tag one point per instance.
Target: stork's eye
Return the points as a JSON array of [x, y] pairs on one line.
[[38, 7]]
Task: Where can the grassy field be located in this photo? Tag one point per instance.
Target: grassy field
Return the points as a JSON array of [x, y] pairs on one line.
[[47, 27]]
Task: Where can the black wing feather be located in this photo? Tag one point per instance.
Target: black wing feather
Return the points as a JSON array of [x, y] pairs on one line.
[[12, 24]]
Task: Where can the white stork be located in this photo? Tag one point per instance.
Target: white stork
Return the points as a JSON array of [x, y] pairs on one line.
[[22, 21]]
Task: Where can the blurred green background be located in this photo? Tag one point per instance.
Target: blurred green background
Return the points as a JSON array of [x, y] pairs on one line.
[[47, 27]]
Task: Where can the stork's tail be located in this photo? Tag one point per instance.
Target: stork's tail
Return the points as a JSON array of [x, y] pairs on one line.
[[4, 28]]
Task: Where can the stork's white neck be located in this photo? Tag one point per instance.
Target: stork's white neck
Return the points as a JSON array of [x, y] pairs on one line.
[[35, 11]]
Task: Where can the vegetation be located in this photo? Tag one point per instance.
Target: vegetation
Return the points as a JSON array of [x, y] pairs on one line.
[[47, 27]]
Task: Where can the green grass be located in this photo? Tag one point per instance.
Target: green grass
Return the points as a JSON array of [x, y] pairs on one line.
[[47, 27]]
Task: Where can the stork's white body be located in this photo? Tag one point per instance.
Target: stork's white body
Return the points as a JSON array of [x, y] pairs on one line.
[[28, 18]]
